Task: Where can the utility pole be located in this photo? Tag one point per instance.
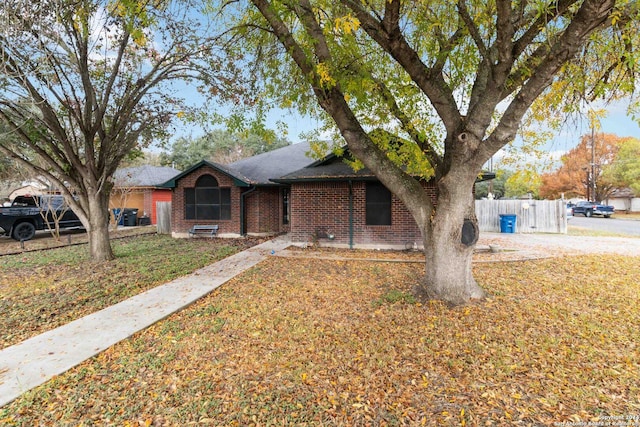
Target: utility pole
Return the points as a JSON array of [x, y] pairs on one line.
[[593, 165]]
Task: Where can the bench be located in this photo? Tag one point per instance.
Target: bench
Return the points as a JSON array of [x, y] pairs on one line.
[[211, 230]]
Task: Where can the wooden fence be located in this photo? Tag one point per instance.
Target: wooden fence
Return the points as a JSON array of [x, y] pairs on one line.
[[532, 216], [163, 215]]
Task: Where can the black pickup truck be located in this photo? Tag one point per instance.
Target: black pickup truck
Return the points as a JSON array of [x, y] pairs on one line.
[[30, 213], [592, 208]]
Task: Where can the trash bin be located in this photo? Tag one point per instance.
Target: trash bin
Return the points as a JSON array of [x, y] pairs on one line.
[[130, 217], [117, 217], [508, 223], [144, 220]]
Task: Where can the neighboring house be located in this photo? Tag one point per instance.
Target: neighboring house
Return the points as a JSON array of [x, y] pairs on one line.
[[624, 200], [33, 189], [11, 190], [141, 188], [284, 190]]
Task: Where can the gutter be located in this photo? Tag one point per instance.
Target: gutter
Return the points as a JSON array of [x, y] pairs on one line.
[[350, 214], [242, 203]]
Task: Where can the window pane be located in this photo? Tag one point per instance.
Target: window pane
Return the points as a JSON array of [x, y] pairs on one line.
[[205, 212], [378, 204], [225, 196], [190, 212], [206, 181], [225, 212], [207, 196], [378, 216], [190, 195]]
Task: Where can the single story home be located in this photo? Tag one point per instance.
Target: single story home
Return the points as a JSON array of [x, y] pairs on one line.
[[624, 200], [140, 188], [286, 191]]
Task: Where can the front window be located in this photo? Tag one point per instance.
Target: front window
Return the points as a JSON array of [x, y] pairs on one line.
[[378, 204], [207, 200]]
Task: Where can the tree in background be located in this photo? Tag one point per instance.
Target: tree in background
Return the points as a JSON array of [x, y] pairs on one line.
[[496, 186], [523, 183], [573, 177], [86, 82], [422, 90], [624, 170], [221, 147]]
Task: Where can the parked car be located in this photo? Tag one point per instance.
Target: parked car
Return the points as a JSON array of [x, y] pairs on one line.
[[30, 213], [569, 210], [592, 208]]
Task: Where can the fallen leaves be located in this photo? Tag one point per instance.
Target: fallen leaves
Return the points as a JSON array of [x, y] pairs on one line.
[[41, 290], [328, 342]]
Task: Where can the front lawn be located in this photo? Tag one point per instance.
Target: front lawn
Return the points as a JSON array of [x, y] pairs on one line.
[[327, 342], [41, 290]]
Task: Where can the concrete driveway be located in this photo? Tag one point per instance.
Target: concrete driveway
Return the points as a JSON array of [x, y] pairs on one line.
[[561, 244]]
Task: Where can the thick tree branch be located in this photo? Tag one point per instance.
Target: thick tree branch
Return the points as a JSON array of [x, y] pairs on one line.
[[590, 16], [430, 82]]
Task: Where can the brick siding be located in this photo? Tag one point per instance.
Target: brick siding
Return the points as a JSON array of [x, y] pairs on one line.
[[322, 209], [263, 207], [180, 225]]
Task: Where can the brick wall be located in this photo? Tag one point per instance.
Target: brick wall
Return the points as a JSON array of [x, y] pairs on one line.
[[180, 225], [322, 209], [264, 211]]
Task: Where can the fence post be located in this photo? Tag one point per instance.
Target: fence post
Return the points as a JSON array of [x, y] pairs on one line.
[[163, 214]]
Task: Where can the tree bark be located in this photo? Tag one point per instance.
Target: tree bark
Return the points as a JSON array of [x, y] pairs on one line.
[[448, 250], [98, 229]]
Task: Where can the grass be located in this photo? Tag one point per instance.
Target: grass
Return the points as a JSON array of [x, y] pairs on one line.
[[331, 342], [40, 290]]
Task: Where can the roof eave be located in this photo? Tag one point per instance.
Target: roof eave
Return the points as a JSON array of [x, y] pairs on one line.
[[237, 181]]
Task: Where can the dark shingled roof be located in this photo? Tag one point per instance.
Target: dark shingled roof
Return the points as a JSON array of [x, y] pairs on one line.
[[143, 176], [286, 165], [238, 179], [262, 168], [333, 168], [329, 168]]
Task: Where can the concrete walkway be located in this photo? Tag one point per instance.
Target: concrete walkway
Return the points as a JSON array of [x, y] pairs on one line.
[[38, 359]]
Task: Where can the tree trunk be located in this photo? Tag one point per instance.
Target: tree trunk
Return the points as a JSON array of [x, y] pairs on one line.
[[98, 228], [449, 238]]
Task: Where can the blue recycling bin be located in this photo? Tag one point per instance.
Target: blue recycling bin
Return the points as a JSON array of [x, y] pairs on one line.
[[508, 223], [116, 213]]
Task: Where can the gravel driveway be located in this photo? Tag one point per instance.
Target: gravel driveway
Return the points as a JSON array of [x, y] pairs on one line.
[[559, 244]]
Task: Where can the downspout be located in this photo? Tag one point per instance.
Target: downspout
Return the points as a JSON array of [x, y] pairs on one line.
[[242, 202], [350, 215]]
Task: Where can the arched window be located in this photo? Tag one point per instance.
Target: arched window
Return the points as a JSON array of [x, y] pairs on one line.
[[207, 200]]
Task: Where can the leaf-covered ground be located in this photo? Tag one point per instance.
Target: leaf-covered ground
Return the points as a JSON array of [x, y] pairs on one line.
[[41, 290], [328, 342]]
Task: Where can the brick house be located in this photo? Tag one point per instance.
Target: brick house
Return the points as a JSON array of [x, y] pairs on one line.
[[285, 191], [140, 187]]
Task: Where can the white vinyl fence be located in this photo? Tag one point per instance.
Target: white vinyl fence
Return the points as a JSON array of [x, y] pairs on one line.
[[163, 215], [532, 216]]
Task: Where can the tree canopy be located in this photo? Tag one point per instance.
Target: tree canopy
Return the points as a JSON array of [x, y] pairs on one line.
[[85, 82], [219, 146], [434, 89], [624, 170], [574, 177]]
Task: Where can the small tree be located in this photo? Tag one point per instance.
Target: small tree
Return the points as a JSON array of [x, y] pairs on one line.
[[52, 210], [85, 82]]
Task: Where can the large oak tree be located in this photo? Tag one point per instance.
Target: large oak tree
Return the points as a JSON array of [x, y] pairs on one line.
[[439, 83], [85, 82]]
